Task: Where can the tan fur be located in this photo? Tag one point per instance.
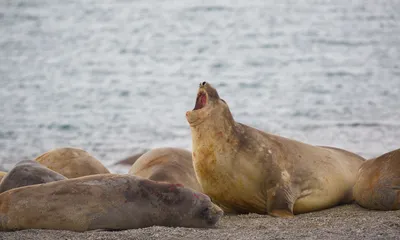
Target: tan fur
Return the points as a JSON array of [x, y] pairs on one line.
[[72, 162], [105, 201], [2, 174], [173, 165], [246, 170], [130, 160], [378, 183]]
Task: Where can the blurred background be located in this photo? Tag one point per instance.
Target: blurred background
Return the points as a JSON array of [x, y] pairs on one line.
[[116, 78]]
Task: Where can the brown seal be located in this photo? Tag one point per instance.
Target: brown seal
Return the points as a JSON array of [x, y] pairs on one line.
[[246, 170], [27, 173], [173, 165], [378, 182], [72, 162], [105, 201], [130, 160]]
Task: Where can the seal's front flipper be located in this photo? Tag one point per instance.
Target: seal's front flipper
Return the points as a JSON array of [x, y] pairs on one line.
[[280, 203]]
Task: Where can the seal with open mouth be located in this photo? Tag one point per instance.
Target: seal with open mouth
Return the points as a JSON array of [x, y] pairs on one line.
[[378, 182], [246, 170]]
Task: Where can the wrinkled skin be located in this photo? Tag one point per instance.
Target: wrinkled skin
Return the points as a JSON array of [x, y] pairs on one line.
[[172, 165], [246, 170], [27, 173], [105, 201], [72, 162], [378, 183]]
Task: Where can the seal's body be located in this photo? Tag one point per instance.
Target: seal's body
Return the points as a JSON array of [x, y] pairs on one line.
[[378, 182], [246, 170], [72, 162], [173, 165], [105, 201], [27, 173], [130, 160]]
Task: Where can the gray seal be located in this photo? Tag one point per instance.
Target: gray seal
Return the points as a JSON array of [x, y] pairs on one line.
[[27, 173], [105, 201]]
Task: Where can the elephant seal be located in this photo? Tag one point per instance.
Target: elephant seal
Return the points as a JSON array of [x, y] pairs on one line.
[[105, 201], [173, 165], [378, 183], [27, 173], [246, 170], [130, 160], [72, 162]]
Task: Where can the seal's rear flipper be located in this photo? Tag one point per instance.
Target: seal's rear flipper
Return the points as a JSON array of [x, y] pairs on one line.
[[279, 203], [281, 213]]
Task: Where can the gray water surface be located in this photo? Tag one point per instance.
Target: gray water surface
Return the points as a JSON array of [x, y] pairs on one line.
[[116, 78]]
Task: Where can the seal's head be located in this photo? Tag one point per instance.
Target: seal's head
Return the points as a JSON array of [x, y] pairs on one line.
[[184, 206], [203, 213], [208, 103]]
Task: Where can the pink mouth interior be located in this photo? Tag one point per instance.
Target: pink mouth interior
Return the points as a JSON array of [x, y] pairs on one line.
[[201, 101]]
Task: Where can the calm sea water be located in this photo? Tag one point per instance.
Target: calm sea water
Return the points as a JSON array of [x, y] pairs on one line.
[[116, 78]]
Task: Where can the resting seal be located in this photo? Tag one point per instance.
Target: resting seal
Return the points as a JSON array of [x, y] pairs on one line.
[[130, 160], [71, 162], [246, 170], [105, 201], [173, 165], [27, 173], [378, 182]]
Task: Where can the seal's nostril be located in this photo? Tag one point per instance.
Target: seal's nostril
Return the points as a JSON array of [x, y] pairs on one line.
[[204, 83]]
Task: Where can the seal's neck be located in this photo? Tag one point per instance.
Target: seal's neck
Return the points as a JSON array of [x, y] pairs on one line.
[[214, 129]]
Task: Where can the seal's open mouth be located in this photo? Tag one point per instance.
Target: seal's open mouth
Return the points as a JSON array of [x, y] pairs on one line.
[[201, 100]]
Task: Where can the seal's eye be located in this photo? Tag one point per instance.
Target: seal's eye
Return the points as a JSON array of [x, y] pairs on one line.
[[203, 83], [205, 212]]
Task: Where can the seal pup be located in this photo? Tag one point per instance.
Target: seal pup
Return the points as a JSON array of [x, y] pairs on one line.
[[105, 201], [378, 182], [173, 165], [246, 170], [72, 162], [27, 173]]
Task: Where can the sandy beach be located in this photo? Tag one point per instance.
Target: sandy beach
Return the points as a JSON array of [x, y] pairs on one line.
[[343, 222], [116, 78]]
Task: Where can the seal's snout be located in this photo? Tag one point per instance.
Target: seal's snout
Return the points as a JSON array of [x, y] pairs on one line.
[[207, 100], [205, 93], [213, 214]]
